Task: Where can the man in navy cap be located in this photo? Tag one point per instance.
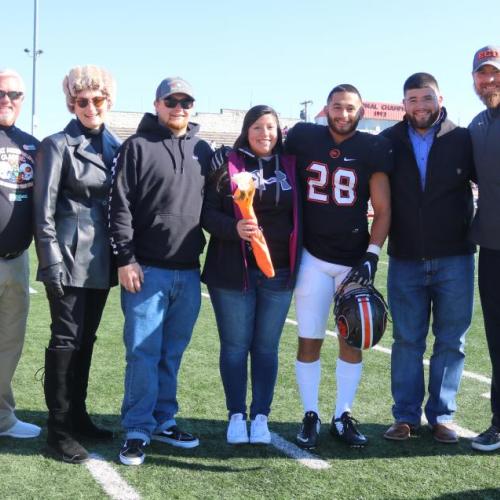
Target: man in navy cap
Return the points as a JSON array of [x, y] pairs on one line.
[[485, 230], [155, 207]]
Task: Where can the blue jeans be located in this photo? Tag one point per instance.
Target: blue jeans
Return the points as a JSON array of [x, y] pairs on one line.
[[445, 287], [159, 322], [251, 322]]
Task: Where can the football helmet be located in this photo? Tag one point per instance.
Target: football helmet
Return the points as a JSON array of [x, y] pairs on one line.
[[360, 315]]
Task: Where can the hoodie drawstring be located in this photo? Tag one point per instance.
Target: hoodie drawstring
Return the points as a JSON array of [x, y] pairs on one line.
[[278, 183]]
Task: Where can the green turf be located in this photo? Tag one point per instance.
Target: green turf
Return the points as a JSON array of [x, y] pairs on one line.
[[419, 468]]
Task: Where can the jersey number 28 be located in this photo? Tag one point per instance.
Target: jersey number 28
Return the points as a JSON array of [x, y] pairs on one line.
[[343, 181]]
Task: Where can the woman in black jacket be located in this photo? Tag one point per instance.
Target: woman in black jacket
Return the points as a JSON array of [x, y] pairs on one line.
[[71, 234], [251, 309]]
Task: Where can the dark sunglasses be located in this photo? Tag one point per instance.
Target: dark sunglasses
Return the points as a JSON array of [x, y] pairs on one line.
[[13, 95], [83, 102], [186, 103]]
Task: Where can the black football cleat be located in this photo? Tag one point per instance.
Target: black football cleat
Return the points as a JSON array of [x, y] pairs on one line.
[[307, 437], [349, 433]]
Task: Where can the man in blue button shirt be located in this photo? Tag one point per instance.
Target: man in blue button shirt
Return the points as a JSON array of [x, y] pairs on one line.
[[431, 262]]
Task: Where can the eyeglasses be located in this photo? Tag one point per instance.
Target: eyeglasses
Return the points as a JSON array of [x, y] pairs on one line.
[[13, 95], [83, 102], [171, 102]]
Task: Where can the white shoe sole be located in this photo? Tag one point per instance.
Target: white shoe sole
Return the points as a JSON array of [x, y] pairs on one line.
[[485, 447], [260, 440], [173, 442], [131, 461], [241, 440], [19, 436]]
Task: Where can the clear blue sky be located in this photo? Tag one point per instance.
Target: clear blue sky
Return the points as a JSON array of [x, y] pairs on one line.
[[240, 53]]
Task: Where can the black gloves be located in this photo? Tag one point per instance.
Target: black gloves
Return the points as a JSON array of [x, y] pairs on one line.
[[219, 157], [364, 272], [52, 279]]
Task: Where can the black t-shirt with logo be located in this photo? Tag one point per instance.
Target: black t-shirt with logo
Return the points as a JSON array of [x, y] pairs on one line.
[[17, 153], [273, 205], [334, 180]]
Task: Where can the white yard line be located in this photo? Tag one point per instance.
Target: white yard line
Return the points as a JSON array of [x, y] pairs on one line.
[[111, 482], [302, 456], [461, 431], [465, 373]]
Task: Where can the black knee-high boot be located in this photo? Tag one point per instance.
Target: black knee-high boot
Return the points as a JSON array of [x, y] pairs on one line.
[[80, 419], [58, 386]]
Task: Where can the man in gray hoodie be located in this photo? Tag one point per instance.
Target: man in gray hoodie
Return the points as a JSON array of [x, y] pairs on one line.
[[155, 207]]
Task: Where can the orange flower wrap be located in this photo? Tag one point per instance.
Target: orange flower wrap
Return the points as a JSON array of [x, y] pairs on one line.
[[243, 197]]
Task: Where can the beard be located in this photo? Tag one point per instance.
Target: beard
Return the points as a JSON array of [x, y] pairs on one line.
[[424, 123], [343, 131], [178, 124], [491, 99]]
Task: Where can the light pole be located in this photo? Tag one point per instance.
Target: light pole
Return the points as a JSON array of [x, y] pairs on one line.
[[303, 112], [35, 53]]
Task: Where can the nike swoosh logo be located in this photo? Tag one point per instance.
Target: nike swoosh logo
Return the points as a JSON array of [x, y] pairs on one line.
[[349, 159]]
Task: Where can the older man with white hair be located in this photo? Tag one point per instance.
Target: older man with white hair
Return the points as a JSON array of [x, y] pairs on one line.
[[17, 150]]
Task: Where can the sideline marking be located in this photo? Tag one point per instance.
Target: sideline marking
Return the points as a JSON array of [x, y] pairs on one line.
[[111, 482], [304, 457], [461, 431], [465, 373]]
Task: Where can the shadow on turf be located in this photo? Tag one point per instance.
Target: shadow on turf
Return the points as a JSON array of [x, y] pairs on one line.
[[484, 494], [212, 434]]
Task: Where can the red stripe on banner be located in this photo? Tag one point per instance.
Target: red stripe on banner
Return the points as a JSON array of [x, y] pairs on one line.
[[367, 323]]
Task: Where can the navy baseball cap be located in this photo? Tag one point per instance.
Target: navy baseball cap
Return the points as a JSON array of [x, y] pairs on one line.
[[173, 85], [487, 55]]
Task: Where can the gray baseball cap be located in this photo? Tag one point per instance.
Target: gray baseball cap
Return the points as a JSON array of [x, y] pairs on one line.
[[173, 85], [487, 55]]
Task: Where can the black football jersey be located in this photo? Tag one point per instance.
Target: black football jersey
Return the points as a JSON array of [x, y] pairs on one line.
[[334, 180]]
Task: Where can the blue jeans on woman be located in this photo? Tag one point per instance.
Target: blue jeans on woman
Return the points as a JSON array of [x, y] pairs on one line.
[[159, 322], [445, 287], [250, 322]]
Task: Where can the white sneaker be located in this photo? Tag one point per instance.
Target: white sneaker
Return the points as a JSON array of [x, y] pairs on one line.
[[259, 433], [237, 430], [22, 430]]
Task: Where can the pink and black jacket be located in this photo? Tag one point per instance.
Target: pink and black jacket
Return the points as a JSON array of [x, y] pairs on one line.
[[228, 259]]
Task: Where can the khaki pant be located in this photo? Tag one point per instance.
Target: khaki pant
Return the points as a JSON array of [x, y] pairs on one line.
[[14, 304]]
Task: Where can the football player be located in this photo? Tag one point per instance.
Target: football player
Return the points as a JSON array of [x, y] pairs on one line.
[[340, 169]]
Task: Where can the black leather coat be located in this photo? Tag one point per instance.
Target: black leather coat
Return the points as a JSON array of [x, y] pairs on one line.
[[70, 201]]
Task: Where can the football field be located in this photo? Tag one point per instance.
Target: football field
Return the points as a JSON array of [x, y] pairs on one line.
[[418, 468]]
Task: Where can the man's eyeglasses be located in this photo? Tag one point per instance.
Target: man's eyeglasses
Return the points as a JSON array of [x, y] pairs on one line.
[[83, 102], [13, 95], [171, 102]]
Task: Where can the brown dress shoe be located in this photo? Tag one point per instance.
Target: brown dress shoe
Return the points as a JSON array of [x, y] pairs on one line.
[[399, 431], [444, 433]]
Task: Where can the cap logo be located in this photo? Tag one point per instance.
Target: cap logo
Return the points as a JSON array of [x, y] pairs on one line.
[[487, 53]]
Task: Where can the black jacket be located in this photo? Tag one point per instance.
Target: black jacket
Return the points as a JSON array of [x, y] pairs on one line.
[[433, 222], [70, 207], [226, 262], [157, 195]]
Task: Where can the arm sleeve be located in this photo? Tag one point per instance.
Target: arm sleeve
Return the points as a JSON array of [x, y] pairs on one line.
[[49, 165], [121, 205]]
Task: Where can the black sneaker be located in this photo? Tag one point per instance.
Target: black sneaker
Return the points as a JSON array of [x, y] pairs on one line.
[[132, 452], [174, 436], [488, 440], [349, 433], [309, 430]]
